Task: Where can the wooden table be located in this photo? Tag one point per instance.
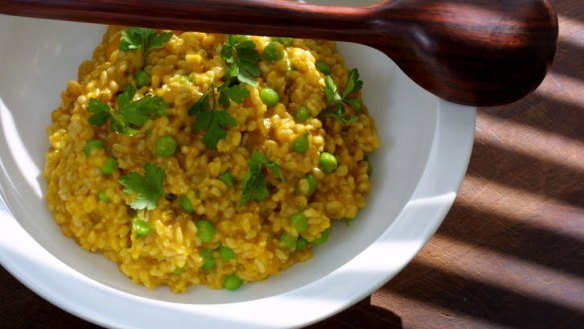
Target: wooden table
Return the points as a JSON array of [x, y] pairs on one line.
[[511, 251]]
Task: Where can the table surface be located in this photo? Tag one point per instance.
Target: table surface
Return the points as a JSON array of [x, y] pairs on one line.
[[511, 251]]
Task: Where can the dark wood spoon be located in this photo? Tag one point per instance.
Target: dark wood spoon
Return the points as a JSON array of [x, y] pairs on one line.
[[472, 52]]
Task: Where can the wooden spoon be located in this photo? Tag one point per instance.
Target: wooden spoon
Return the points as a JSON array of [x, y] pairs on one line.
[[472, 52]]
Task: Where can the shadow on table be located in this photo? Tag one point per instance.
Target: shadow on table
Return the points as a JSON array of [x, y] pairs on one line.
[[515, 239], [362, 315], [544, 113], [483, 302], [570, 8], [569, 50], [527, 173], [29, 311]]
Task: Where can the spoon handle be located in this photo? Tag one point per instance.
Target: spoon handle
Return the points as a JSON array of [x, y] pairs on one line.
[[472, 52], [255, 17]]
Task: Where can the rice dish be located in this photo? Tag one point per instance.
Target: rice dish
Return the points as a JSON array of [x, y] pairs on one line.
[[197, 175]]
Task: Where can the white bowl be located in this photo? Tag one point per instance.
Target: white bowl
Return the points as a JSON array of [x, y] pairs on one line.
[[426, 145]]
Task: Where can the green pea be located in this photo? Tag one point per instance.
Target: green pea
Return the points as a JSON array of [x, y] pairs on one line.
[[312, 184], [327, 162], [369, 167], [283, 40], [323, 67], [102, 196], [165, 146], [186, 204], [141, 228], [322, 238], [273, 52], [109, 166], [269, 96], [302, 114], [178, 271], [92, 145], [288, 241], [347, 220], [205, 230], [227, 179], [226, 253], [309, 188], [301, 243], [208, 259], [299, 221], [184, 79], [142, 79], [232, 282], [300, 144]]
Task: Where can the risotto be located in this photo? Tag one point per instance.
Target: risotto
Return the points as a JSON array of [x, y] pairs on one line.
[[203, 159]]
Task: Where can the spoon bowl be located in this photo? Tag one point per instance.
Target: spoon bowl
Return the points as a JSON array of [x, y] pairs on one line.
[[471, 52]]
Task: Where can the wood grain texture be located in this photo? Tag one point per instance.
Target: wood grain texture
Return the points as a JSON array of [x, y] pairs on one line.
[[474, 52], [510, 254]]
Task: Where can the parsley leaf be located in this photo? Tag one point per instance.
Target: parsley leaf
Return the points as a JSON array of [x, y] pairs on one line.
[[148, 187], [201, 105], [354, 103], [337, 102], [234, 93], [254, 182], [213, 121], [101, 112], [353, 84], [243, 59], [275, 168], [130, 114], [331, 92], [140, 111], [143, 38], [339, 114], [254, 188]]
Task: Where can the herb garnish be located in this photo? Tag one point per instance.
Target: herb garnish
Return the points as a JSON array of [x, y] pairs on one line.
[[254, 182], [148, 187], [143, 38], [243, 59], [214, 122], [337, 103], [234, 93], [130, 114]]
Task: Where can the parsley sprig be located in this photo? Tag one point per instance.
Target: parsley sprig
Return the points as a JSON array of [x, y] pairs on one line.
[[243, 60], [148, 188], [134, 38], [212, 120], [254, 182], [130, 116], [337, 102], [235, 93]]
